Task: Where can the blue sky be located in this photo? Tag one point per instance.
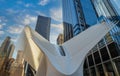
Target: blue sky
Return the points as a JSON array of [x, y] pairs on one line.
[[15, 14]]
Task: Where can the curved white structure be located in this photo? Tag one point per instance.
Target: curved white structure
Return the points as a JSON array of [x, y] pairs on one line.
[[65, 60]]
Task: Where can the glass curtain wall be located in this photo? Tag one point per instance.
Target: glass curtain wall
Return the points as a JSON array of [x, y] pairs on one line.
[[104, 58]]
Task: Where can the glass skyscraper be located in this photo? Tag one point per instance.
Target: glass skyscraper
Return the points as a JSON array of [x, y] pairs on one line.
[[68, 31], [104, 58], [43, 26]]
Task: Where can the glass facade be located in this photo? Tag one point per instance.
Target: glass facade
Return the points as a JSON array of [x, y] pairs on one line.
[[107, 9], [104, 58], [68, 31], [89, 12], [69, 12], [43, 26], [107, 51], [116, 5], [102, 61]]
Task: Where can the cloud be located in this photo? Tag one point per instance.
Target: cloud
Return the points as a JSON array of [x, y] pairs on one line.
[[56, 14], [1, 26], [11, 11], [3, 19], [40, 13], [1, 32], [15, 29], [56, 29], [24, 4], [43, 2], [53, 38], [28, 5], [29, 20], [14, 39]]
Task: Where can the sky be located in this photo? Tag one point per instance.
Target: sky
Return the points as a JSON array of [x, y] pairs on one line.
[[15, 14]]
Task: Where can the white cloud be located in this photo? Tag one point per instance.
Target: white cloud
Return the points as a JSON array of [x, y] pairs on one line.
[[15, 29], [40, 13], [56, 29], [3, 19], [28, 5], [53, 38], [11, 11], [29, 20], [56, 14], [14, 39], [24, 4], [1, 26], [3, 23], [43, 2], [1, 32]]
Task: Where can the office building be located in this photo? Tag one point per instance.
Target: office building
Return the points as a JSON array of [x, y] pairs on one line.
[[60, 39], [7, 48], [68, 31], [104, 58], [16, 67], [43, 26], [11, 50]]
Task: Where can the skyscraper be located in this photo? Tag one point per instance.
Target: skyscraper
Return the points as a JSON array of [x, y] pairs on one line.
[[103, 60], [70, 15], [11, 50], [7, 48], [68, 31], [43, 26]]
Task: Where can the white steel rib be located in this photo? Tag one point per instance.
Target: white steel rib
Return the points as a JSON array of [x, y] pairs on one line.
[[70, 61]]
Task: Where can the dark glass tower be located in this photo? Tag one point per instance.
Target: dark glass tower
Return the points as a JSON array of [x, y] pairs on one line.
[[68, 31], [104, 58], [43, 26]]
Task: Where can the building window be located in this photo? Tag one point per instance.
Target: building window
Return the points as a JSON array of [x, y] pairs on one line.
[[100, 70], [104, 54], [117, 63], [114, 51], [85, 64], [86, 72], [109, 69], [93, 72], [97, 57], [90, 59]]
